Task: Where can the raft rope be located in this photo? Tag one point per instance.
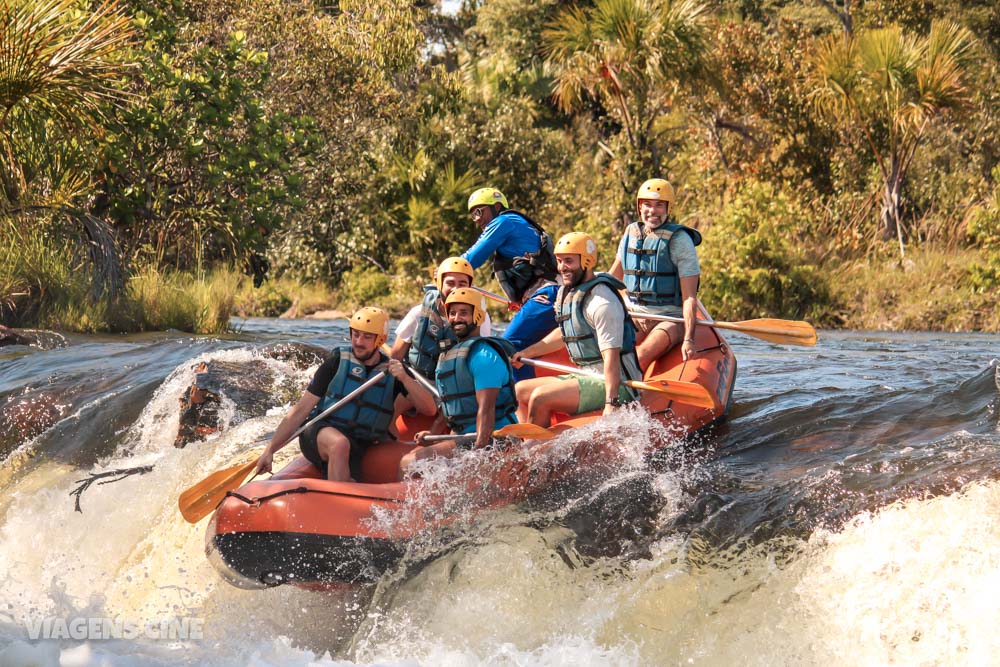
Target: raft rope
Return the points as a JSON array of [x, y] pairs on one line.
[[118, 475], [303, 489]]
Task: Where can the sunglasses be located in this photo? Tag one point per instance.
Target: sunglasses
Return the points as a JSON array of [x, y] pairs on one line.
[[477, 212]]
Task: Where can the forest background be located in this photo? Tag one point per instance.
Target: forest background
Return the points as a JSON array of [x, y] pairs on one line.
[[169, 163]]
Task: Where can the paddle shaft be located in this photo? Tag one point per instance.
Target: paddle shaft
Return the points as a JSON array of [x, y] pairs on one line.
[[336, 406], [788, 332], [513, 305]]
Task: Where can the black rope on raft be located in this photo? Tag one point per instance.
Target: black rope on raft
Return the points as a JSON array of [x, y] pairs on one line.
[[118, 475]]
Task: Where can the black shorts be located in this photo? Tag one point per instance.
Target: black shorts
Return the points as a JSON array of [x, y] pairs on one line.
[[307, 443]]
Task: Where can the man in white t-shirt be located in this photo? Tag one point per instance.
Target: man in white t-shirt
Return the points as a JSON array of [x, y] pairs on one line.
[[424, 332], [595, 327], [658, 263]]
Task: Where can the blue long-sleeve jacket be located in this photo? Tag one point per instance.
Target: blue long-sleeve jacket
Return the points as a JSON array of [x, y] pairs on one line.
[[508, 235]]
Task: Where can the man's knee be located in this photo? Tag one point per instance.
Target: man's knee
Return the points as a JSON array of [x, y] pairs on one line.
[[330, 442]]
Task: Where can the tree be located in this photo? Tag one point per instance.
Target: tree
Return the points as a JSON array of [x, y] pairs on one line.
[[891, 86], [633, 58]]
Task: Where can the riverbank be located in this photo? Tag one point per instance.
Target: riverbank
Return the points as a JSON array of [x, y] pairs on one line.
[[928, 291]]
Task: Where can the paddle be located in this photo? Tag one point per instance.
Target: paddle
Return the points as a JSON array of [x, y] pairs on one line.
[[683, 392], [784, 332], [526, 431], [513, 306], [201, 499]]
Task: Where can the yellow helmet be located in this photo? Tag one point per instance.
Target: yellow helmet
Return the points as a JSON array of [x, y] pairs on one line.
[[453, 265], [487, 197], [578, 243], [472, 298], [656, 189], [374, 321]]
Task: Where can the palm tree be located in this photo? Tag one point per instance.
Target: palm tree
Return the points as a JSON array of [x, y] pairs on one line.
[[57, 68], [633, 57], [892, 86]]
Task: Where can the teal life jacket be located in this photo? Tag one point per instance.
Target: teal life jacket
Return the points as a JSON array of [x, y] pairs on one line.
[[369, 415], [650, 273], [517, 275], [581, 338], [432, 335], [458, 388]]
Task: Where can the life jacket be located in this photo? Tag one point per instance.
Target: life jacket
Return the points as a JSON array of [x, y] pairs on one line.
[[369, 415], [650, 273], [581, 339], [458, 388], [517, 274], [432, 335]]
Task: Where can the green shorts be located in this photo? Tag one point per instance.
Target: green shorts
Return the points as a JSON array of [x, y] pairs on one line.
[[592, 393]]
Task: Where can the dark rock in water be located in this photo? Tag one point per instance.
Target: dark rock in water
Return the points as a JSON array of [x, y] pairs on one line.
[[249, 388], [46, 340], [31, 410], [300, 355]]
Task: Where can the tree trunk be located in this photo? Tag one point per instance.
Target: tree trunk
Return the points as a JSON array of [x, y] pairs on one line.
[[889, 225], [105, 259]]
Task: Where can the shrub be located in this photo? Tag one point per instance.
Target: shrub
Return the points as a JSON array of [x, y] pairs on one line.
[[754, 263]]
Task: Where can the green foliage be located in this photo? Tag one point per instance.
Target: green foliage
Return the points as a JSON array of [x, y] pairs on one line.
[[198, 168], [984, 227], [754, 264], [171, 300], [363, 286], [893, 85], [634, 59], [36, 268]]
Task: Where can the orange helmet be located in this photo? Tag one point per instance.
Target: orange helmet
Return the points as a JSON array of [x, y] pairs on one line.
[[453, 265], [656, 189], [372, 320], [472, 298], [578, 243]]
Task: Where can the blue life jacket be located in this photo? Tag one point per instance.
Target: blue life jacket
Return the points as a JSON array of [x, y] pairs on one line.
[[432, 335], [650, 273], [368, 416], [517, 275], [581, 339], [458, 388]]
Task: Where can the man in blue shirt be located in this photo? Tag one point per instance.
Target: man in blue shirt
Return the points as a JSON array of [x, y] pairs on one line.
[[523, 264], [475, 380]]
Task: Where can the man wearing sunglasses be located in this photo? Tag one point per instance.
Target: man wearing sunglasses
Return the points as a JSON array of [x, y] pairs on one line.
[[523, 264]]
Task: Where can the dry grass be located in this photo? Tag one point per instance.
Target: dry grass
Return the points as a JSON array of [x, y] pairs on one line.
[[930, 290]]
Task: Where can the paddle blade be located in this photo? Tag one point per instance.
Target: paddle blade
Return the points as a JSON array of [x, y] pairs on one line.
[[201, 499], [689, 393], [526, 431], [782, 332]]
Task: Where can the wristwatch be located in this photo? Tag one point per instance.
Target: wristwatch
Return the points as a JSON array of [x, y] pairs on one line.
[[615, 402]]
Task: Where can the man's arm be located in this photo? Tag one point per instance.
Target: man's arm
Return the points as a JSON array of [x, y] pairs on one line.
[[295, 417], [400, 348], [612, 376], [689, 293], [487, 243], [422, 399], [552, 342], [486, 416]]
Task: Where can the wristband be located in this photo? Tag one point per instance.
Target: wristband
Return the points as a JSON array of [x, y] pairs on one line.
[[614, 402]]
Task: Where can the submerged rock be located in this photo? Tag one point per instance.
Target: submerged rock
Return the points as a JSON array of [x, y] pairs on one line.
[[46, 340], [226, 393]]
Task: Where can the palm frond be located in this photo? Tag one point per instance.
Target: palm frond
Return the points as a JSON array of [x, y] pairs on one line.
[[59, 60]]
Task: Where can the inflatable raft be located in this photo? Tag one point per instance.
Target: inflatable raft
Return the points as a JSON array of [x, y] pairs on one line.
[[298, 528]]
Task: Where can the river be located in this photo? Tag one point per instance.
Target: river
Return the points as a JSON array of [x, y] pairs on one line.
[[847, 513]]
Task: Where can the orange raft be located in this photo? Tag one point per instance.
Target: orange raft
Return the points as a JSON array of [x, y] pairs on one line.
[[300, 529]]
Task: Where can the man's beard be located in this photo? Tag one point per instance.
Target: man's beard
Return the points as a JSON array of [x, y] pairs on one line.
[[362, 356], [576, 277], [462, 329]]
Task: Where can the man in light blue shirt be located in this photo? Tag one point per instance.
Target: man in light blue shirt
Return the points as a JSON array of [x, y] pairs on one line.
[[475, 380]]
